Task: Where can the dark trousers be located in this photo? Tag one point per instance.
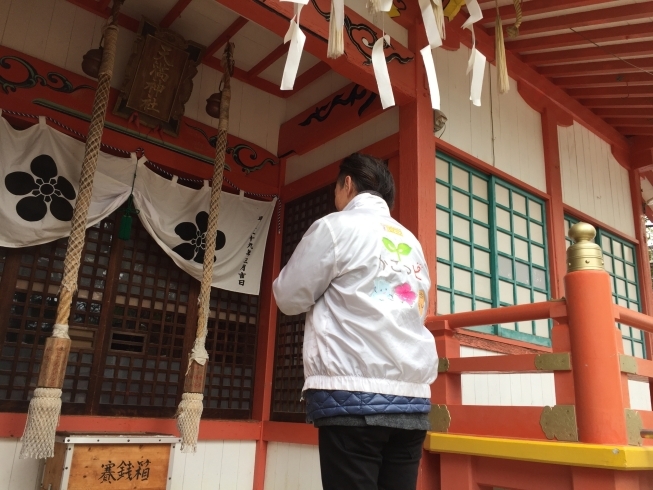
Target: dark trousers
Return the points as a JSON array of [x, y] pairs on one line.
[[369, 458]]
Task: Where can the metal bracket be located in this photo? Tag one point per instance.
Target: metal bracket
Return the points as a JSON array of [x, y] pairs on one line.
[[440, 418], [559, 423], [553, 362], [627, 364], [443, 365], [634, 427]]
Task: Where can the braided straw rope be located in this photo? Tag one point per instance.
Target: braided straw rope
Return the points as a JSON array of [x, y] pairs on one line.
[[190, 409], [513, 30], [45, 406], [500, 48]]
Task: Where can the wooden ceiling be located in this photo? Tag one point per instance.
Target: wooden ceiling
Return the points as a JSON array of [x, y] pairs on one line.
[[599, 51]]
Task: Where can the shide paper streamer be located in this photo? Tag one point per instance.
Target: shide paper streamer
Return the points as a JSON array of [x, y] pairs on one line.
[[297, 39]]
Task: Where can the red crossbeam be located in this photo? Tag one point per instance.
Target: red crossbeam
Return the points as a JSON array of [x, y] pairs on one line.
[[174, 13], [635, 131], [494, 364], [309, 76], [522, 422], [535, 7], [598, 67], [633, 318], [222, 39], [613, 92], [619, 33], [629, 113], [586, 19], [590, 54], [604, 80], [260, 67], [639, 102], [631, 122], [644, 368], [507, 314]]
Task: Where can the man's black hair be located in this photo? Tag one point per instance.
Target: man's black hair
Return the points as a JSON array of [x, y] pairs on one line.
[[368, 174]]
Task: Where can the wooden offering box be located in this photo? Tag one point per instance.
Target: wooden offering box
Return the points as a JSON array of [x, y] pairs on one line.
[[117, 461]]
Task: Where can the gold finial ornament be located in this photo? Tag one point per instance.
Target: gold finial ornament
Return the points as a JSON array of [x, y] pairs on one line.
[[584, 254]]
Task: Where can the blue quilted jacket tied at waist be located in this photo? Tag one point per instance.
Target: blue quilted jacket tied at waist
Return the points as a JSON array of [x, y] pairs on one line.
[[336, 403]]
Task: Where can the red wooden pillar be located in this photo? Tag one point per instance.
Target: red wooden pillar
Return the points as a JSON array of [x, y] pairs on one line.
[[555, 210], [417, 192], [595, 345], [417, 164], [266, 342], [564, 383], [643, 266]]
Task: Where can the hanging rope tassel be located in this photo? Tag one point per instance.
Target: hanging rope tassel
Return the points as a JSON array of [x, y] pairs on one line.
[[513, 30], [190, 408], [45, 406], [500, 47], [439, 17], [336, 47]]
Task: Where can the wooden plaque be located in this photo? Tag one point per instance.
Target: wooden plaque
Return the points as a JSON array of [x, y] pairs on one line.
[[120, 467], [159, 78]]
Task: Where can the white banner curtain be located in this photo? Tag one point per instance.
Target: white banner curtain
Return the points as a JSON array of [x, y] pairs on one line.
[[177, 216], [39, 181], [39, 174]]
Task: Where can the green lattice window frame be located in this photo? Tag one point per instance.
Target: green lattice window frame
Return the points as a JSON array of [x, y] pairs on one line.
[[619, 257], [491, 242]]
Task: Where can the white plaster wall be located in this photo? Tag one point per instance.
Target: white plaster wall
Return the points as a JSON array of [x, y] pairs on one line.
[[533, 390], [217, 465], [384, 125], [15, 473], [640, 395], [592, 180], [504, 132], [58, 32], [292, 467]]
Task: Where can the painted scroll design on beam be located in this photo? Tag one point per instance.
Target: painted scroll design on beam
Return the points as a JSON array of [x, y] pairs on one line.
[[53, 80], [364, 44], [236, 151], [357, 93]]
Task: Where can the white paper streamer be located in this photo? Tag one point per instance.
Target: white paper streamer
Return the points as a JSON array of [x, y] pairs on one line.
[[475, 13], [297, 39], [477, 60], [431, 76], [431, 26], [477, 67], [435, 41], [381, 73]]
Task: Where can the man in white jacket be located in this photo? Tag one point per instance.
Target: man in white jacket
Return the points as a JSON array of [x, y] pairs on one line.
[[362, 280]]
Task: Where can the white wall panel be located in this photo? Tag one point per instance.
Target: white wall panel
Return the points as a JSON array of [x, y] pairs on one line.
[[517, 131], [592, 180], [505, 389], [15, 473], [504, 131], [217, 465], [292, 467], [376, 129], [640, 395]]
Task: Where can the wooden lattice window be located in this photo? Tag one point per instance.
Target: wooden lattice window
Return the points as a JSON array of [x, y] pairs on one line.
[[299, 215], [143, 366], [231, 344], [32, 313], [132, 326]]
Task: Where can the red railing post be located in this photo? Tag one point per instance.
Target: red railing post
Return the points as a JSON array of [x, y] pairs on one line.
[[595, 342], [447, 387]]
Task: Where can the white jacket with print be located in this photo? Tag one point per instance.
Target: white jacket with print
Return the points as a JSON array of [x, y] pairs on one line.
[[362, 279]]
